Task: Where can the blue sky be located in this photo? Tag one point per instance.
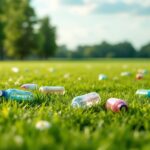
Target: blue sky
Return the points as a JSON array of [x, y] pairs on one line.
[[82, 22]]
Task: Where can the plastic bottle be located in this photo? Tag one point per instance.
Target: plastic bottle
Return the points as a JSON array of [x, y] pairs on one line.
[[143, 71], [102, 77], [14, 94], [139, 76], [29, 86], [116, 105], [52, 89], [125, 74], [86, 100], [143, 92]]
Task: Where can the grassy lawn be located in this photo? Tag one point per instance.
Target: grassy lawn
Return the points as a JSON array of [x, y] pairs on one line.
[[93, 128]]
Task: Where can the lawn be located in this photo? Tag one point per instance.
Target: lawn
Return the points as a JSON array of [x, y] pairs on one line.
[[75, 129]]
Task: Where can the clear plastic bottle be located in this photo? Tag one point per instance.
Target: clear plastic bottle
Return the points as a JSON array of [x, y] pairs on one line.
[[143, 92], [125, 74], [52, 89], [14, 94], [116, 105], [86, 100], [29, 86]]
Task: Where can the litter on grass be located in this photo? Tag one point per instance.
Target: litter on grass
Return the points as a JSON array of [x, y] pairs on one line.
[[52, 90], [116, 105], [143, 71], [14, 94], [125, 74], [102, 77], [86, 100], [29, 86], [139, 76], [15, 69], [42, 125], [143, 92]]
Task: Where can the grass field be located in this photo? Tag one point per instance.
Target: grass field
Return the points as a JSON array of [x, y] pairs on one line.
[[93, 128]]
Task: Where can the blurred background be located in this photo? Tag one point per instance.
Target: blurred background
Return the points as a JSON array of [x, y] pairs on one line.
[[44, 29]]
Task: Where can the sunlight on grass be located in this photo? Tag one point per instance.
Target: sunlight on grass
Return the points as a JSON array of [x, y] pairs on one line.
[[69, 128]]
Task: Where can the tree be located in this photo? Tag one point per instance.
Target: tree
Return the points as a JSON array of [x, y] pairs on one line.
[[124, 50], [62, 52], [2, 37], [101, 50], [105, 49], [47, 38], [145, 51], [1, 40], [19, 29]]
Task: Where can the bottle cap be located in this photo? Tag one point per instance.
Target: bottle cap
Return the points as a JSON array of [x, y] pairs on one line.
[[1, 93], [123, 108]]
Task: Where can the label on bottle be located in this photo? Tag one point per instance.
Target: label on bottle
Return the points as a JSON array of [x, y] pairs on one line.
[[21, 97], [112, 101]]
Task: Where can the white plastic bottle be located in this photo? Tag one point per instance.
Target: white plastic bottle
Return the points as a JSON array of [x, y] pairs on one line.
[[52, 90], [86, 100]]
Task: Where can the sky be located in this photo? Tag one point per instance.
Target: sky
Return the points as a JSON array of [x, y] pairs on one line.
[[89, 22]]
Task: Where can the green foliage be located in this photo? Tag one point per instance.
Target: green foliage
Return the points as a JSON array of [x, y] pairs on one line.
[[105, 50], [47, 38], [75, 129], [145, 51], [1, 40], [19, 35], [62, 52], [20, 20], [101, 50], [2, 37], [125, 50]]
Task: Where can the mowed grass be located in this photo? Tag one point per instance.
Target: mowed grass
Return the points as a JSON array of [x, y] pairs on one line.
[[74, 129]]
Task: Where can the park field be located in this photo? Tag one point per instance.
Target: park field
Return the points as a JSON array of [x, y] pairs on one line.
[[92, 128]]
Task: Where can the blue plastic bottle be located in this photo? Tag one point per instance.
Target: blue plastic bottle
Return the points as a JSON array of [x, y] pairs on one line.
[[18, 95], [143, 92]]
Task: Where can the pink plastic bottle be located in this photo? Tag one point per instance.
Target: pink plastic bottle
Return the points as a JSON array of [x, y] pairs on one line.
[[116, 104]]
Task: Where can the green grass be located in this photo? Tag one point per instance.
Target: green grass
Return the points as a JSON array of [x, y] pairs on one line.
[[75, 129]]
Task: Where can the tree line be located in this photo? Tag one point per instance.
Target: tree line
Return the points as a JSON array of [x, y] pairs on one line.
[[105, 50], [25, 36], [22, 34]]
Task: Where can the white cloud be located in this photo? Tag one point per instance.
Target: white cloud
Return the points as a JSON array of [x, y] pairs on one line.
[[76, 25], [85, 7], [82, 10], [111, 28], [45, 7], [145, 3]]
